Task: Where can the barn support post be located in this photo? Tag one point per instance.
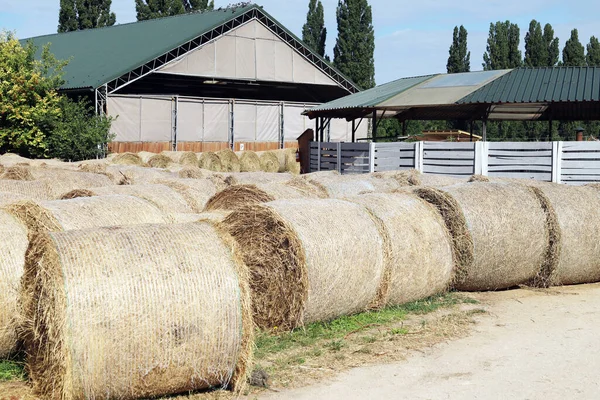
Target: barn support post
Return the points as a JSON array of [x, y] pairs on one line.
[[550, 128], [353, 130], [372, 149], [484, 130], [404, 127], [175, 103], [339, 157], [231, 124], [557, 148], [282, 126], [374, 123], [329, 129]]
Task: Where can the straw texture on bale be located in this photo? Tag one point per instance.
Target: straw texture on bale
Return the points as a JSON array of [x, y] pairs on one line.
[[268, 161], [36, 190], [340, 186], [155, 160], [161, 196], [506, 227], [95, 168], [1, 169], [135, 312], [210, 161], [281, 158], [433, 180], [17, 173], [13, 243], [260, 177], [62, 181], [249, 161], [419, 260], [291, 165], [8, 198], [9, 159], [309, 260], [196, 192], [74, 194], [132, 175], [479, 178], [127, 159], [409, 177], [85, 212], [191, 172], [229, 161], [182, 157]]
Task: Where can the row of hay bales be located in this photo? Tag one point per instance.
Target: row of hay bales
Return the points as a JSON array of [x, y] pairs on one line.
[[125, 295]]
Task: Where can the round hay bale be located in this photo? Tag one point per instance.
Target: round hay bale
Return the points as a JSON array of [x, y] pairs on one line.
[[210, 161], [281, 158], [268, 161], [191, 172], [499, 232], [13, 243], [249, 161], [229, 161], [17, 173], [132, 175], [340, 186], [196, 192], [291, 165], [155, 160], [409, 177], [182, 157], [127, 159], [10, 159], [94, 168], [259, 177], [77, 193], [162, 196], [63, 181], [479, 178], [1, 169], [9, 198], [419, 260], [35, 190], [135, 312], [305, 259], [432, 180], [85, 212]]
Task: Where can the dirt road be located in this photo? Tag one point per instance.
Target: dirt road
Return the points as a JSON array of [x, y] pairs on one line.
[[531, 345]]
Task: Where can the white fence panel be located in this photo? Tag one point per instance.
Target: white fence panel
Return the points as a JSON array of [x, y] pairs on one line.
[[443, 158], [580, 162], [521, 160], [394, 156]]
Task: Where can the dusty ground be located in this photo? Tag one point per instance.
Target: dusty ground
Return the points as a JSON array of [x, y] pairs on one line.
[[531, 344]]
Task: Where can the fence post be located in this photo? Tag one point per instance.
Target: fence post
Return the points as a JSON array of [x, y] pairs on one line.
[[419, 151], [485, 154], [557, 161], [339, 157], [372, 157], [478, 162]]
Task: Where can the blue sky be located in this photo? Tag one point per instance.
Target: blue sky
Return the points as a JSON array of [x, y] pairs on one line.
[[411, 37]]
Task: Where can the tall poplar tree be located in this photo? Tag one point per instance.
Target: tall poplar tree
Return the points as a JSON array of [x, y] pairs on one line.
[[77, 15], [314, 33], [551, 43], [593, 52], [198, 5], [573, 52], [151, 9], [502, 47], [459, 58], [536, 51], [354, 50]]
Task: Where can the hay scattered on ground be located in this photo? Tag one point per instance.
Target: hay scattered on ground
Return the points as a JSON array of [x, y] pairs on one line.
[[299, 271], [268, 161], [249, 161], [182, 157], [210, 161], [13, 243], [229, 161], [135, 329], [74, 194], [419, 259], [127, 159], [17, 173], [479, 178]]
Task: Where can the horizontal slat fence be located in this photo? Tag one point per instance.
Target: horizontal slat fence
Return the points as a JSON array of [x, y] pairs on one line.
[[575, 163]]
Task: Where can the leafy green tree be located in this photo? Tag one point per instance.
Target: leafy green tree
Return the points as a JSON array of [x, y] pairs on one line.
[[502, 50], [573, 52], [593, 52], [459, 59], [354, 50], [84, 14], [151, 9], [198, 5], [314, 33], [551, 43], [536, 51]]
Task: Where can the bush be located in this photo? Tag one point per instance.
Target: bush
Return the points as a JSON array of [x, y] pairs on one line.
[[78, 134]]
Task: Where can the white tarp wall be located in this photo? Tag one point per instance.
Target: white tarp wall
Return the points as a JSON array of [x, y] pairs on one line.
[[250, 52], [152, 119]]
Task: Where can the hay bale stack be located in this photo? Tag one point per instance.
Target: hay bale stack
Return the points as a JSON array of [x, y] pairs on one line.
[[17, 173], [127, 159], [499, 233], [229, 161], [182, 157], [196, 192], [291, 165], [13, 243], [35, 190], [419, 258], [85, 212], [62, 181], [268, 161], [281, 159], [249, 161], [309, 260], [132, 175], [210, 161], [161, 196], [155, 160], [135, 312]]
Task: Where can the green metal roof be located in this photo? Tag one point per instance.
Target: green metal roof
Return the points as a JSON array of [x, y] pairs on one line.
[[540, 85], [373, 97], [99, 56]]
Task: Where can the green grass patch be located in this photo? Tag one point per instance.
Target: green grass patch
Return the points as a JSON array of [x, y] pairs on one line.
[[12, 371], [268, 343]]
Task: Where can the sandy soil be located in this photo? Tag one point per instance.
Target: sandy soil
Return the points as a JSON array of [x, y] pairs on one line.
[[532, 344]]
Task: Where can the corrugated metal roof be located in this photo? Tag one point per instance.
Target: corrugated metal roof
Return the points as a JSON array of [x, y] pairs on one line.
[[540, 85], [373, 97], [98, 56]]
